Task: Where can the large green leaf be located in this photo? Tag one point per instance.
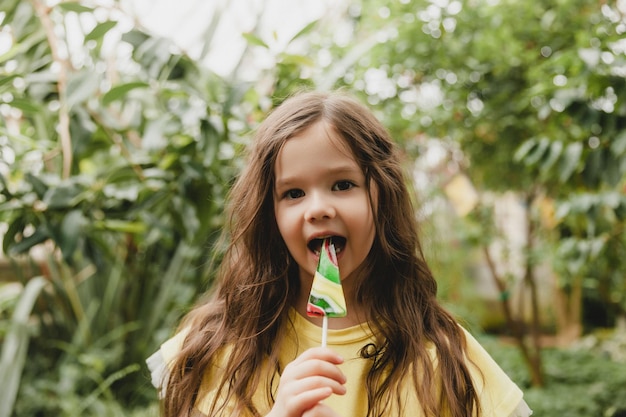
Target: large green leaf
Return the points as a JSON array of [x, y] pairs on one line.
[[72, 230], [40, 235], [570, 160], [15, 345]]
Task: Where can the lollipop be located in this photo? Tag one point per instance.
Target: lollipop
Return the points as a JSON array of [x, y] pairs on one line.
[[326, 298]]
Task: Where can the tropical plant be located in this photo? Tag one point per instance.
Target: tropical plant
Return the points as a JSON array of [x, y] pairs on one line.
[[119, 159], [122, 163]]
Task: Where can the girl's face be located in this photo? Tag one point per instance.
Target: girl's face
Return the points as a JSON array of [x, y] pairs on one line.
[[321, 192]]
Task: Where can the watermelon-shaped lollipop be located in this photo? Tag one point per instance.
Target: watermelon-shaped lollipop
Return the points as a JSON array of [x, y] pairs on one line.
[[326, 298]]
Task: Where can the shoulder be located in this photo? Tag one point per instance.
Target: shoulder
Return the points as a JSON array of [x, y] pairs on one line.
[[499, 395], [160, 362]]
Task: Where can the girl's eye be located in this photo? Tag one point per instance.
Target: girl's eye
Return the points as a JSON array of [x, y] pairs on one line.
[[293, 194], [343, 185]]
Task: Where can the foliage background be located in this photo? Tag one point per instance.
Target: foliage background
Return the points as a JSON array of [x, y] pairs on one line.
[[118, 149]]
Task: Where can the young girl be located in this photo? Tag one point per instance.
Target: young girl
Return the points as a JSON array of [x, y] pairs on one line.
[[322, 166]]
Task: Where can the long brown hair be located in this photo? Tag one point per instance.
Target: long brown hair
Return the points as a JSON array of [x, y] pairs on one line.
[[249, 307]]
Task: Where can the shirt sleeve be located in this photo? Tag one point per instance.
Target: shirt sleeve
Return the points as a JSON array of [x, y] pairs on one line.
[[522, 410], [159, 362], [157, 368], [499, 395]]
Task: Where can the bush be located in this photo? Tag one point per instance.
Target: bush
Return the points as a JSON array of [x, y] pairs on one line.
[[579, 382]]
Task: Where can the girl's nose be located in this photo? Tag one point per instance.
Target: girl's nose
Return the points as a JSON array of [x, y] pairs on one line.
[[319, 208]]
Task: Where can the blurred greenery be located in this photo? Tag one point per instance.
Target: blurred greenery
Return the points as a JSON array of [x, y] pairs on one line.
[[579, 382], [523, 97], [532, 94], [116, 162]]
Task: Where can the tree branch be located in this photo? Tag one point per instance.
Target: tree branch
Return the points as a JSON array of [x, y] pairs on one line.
[[63, 128]]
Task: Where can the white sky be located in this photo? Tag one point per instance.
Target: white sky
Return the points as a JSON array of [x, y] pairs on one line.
[[185, 22]]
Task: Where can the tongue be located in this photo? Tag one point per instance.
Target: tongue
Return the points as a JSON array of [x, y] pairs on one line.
[[337, 241]]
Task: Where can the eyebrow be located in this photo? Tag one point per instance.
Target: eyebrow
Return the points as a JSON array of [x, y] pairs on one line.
[[338, 170]]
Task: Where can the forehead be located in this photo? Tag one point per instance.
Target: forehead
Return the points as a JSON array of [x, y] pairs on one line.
[[316, 151]]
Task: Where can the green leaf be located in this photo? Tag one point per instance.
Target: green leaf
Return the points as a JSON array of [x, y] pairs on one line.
[[618, 145], [121, 174], [583, 203], [556, 148], [27, 106], [210, 138], [305, 30], [16, 226], [5, 187], [135, 38], [524, 149], [38, 236], [100, 30], [569, 160], [121, 226], [611, 173], [562, 210], [254, 40], [612, 200], [296, 59], [5, 80], [15, 345], [535, 155], [64, 196], [39, 187], [120, 91], [595, 246], [74, 6], [24, 46], [594, 166], [71, 230], [105, 385]]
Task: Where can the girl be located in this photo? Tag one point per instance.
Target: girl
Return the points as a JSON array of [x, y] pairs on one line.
[[323, 166]]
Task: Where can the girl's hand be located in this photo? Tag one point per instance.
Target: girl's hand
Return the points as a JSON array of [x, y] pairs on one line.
[[310, 378], [320, 410]]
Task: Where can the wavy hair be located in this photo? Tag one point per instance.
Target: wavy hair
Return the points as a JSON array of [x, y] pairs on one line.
[[249, 306]]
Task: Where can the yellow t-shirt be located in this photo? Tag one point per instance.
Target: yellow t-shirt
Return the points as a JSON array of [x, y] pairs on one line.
[[499, 396]]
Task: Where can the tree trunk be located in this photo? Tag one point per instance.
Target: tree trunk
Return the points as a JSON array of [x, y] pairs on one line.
[[531, 283], [568, 309], [532, 360]]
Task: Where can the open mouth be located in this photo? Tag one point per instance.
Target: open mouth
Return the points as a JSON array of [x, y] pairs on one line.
[[315, 245]]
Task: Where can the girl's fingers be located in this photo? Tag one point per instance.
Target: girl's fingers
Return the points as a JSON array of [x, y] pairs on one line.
[[321, 353], [313, 367], [316, 361], [298, 404], [315, 382], [310, 378], [320, 410]]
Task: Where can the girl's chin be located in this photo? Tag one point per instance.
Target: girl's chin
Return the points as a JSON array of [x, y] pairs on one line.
[[306, 273]]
